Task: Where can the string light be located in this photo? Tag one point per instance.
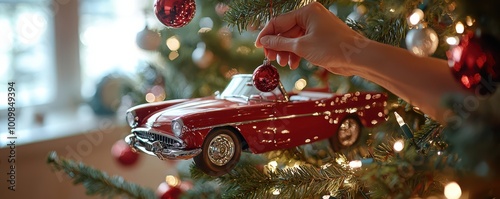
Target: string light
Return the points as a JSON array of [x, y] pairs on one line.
[[276, 192], [469, 21], [359, 163], [172, 180], [150, 97], [173, 43], [398, 145], [173, 55], [452, 191], [460, 28], [300, 84], [453, 41], [416, 17], [272, 165], [355, 164]]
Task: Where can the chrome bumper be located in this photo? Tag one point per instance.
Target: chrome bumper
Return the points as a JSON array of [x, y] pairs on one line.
[[156, 149]]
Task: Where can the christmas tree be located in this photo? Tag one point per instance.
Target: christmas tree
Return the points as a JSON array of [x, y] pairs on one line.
[[409, 156]]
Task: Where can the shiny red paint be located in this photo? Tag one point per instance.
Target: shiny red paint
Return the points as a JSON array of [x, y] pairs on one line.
[[265, 125]]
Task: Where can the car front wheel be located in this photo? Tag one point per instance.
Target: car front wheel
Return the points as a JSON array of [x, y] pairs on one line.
[[347, 134], [220, 152]]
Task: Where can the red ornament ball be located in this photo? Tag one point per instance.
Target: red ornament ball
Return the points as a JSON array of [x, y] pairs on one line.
[[124, 154], [175, 13], [266, 77], [165, 191], [475, 63]]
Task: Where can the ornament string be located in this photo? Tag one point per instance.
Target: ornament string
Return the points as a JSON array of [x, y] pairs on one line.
[[270, 18]]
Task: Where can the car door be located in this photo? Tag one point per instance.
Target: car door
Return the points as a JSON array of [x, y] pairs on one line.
[[299, 122]]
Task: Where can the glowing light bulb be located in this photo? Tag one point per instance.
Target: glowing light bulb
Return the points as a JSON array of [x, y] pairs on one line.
[[399, 145], [469, 21], [172, 180], [300, 84], [399, 119], [416, 17], [150, 97], [452, 191], [355, 164], [173, 55], [276, 192], [453, 41], [460, 28], [273, 164], [173, 43]]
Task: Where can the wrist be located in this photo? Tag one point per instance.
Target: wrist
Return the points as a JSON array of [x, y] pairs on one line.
[[355, 56]]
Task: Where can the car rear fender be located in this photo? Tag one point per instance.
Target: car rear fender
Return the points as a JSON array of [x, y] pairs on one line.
[[374, 111]]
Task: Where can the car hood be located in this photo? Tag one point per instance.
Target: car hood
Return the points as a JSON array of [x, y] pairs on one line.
[[194, 106]]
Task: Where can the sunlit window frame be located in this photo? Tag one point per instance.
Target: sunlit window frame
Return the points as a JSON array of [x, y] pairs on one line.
[[63, 19]]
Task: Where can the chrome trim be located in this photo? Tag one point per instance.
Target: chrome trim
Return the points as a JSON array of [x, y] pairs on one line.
[[157, 149], [221, 149], [348, 132], [261, 120], [150, 130]]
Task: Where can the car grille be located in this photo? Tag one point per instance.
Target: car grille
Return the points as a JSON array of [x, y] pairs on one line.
[[157, 137]]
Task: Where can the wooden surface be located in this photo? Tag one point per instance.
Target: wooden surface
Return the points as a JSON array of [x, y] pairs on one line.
[[35, 179]]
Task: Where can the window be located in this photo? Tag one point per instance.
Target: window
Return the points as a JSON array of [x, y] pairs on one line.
[[27, 52], [107, 33], [57, 51]]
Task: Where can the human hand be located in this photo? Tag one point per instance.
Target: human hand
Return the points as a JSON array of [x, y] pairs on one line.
[[311, 32]]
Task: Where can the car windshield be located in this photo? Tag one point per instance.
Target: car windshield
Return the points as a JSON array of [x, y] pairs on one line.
[[240, 86]]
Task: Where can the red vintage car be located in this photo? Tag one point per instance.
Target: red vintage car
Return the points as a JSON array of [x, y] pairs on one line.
[[215, 130]]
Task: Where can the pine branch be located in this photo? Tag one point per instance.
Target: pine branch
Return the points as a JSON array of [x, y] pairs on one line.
[[401, 174], [245, 13], [97, 182], [426, 131], [247, 181]]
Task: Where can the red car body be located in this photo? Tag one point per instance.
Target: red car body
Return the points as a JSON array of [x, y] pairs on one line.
[[254, 121]]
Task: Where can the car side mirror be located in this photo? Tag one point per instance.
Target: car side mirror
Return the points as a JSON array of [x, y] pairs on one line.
[[217, 93]]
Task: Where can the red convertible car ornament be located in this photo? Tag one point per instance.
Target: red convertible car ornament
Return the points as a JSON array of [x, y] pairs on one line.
[[215, 130]]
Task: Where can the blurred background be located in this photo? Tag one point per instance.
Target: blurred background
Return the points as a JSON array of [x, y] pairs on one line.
[[79, 65]]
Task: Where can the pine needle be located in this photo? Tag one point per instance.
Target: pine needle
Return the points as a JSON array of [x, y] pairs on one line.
[[97, 182]]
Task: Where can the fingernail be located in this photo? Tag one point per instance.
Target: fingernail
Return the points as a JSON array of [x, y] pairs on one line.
[[264, 41]]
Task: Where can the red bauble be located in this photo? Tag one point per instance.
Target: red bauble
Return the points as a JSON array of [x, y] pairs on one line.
[[266, 77], [124, 154], [475, 63], [166, 191], [175, 13]]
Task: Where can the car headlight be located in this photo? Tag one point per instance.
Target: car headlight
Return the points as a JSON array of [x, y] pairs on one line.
[[177, 127], [132, 119]]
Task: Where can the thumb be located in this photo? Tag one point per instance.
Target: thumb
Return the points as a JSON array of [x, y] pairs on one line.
[[277, 43]]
